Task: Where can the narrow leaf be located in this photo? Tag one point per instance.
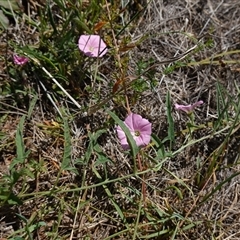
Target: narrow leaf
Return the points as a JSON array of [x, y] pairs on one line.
[[67, 146], [130, 139], [10, 4], [19, 144], [32, 105], [219, 186], [170, 121], [4, 20]]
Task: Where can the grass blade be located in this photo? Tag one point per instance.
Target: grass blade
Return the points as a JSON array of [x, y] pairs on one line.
[[171, 134], [32, 105], [66, 162], [19, 140], [20, 148], [130, 139]]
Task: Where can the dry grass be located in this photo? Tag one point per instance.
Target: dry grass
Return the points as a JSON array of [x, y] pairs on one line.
[[191, 193]]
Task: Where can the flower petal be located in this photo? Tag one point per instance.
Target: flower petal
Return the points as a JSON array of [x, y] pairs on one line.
[[92, 45], [19, 60], [146, 129], [136, 123], [185, 108], [143, 140], [188, 108], [83, 41], [196, 104], [120, 133], [122, 137], [129, 121]]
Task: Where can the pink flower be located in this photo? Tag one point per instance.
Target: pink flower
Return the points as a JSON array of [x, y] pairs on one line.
[[188, 108], [19, 60], [92, 45], [139, 127]]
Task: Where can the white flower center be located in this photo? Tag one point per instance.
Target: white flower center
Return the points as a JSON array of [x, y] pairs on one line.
[[137, 133], [91, 49]]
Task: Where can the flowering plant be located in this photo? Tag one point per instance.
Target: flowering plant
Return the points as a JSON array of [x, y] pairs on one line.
[[92, 45], [188, 108], [139, 127], [19, 60]]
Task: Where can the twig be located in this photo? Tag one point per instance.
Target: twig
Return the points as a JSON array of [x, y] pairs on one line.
[[56, 82], [143, 180], [119, 60]]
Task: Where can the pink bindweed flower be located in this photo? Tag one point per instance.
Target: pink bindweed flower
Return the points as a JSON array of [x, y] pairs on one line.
[[19, 60], [92, 45], [140, 129], [188, 108]]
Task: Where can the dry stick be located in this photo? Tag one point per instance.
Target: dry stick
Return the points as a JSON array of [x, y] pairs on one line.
[[195, 202], [134, 78], [118, 58], [56, 82], [194, 206], [143, 181], [76, 215], [50, 98]]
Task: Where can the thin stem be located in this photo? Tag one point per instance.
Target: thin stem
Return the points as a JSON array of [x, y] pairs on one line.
[[118, 59], [56, 82], [143, 178]]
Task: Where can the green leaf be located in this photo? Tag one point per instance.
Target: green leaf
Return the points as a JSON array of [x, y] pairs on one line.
[[82, 25], [102, 159], [110, 196], [96, 135], [219, 186], [131, 141], [15, 175], [51, 18], [22, 217], [14, 200], [16, 238], [66, 162], [93, 145], [88, 152], [19, 140], [171, 134], [10, 5], [21, 154], [36, 226], [2, 135], [28, 172], [4, 20], [32, 105]]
